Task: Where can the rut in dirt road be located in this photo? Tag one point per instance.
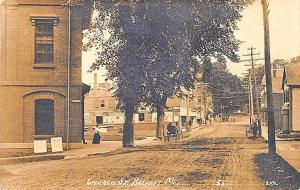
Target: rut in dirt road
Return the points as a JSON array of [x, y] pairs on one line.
[[215, 156]]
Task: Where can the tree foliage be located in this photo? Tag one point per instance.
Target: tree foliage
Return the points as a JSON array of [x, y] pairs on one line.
[[150, 48], [228, 92]]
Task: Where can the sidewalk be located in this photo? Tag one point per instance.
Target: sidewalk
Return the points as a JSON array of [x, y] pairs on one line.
[[87, 150], [288, 150]]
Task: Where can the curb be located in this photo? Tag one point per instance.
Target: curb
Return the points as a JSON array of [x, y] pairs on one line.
[[39, 158], [29, 159]]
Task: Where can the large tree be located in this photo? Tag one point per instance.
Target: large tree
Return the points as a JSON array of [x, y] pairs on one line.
[[149, 47]]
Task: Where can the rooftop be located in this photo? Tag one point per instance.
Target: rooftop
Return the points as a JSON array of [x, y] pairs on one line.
[[292, 74], [277, 76]]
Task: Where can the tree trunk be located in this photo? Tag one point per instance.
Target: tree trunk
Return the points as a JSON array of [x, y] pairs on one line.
[[128, 131], [159, 124]]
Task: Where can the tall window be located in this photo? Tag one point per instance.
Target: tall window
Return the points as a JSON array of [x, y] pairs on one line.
[[44, 117], [44, 41], [141, 117], [102, 103]]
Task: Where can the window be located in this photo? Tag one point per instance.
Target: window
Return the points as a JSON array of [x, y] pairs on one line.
[[286, 96], [199, 100], [102, 103], [99, 119], [44, 41], [44, 117], [141, 117]]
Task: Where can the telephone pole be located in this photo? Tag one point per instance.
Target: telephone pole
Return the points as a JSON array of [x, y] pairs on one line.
[[250, 96], [270, 110], [249, 104], [254, 74], [188, 113], [255, 81]]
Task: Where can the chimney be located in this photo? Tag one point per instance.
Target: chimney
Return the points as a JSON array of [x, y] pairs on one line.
[[95, 83]]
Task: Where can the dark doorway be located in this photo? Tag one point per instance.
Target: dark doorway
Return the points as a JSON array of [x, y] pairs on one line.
[[44, 117]]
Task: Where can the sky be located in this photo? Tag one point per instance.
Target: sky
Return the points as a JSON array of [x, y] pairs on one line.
[[284, 21]]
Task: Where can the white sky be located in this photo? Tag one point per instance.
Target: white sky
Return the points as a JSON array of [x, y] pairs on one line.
[[284, 35], [284, 24]]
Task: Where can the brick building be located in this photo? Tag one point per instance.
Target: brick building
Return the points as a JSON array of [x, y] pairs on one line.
[[100, 108], [100, 105], [37, 71]]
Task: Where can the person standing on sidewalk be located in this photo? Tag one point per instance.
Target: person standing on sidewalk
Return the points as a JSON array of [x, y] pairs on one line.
[[97, 138], [255, 129]]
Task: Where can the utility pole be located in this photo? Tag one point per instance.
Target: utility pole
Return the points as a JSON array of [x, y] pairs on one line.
[[69, 75], [249, 103], [250, 96], [188, 112], [270, 110], [255, 82], [253, 74]]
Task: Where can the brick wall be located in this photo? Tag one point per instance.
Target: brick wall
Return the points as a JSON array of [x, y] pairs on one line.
[[21, 82]]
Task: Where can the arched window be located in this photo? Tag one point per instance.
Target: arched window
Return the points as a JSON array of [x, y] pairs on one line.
[[44, 117]]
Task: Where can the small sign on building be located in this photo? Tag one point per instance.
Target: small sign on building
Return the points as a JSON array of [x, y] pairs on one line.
[[40, 146], [56, 144]]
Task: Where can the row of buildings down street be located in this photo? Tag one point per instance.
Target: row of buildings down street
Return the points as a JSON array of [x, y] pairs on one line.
[[286, 98], [100, 109]]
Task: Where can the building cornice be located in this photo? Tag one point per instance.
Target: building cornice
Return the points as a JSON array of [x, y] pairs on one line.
[[34, 84]]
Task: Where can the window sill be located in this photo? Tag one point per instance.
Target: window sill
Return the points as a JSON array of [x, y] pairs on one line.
[[44, 65], [43, 136]]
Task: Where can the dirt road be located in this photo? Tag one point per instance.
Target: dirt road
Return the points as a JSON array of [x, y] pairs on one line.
[[215, 157]]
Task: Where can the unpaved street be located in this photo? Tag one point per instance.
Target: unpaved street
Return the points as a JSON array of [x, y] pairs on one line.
[[214, 157]]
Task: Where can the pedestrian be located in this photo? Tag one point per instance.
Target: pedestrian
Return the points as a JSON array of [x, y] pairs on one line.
[[255, 129], [169, 128], [178, 128], [97, 138], [190, 124]]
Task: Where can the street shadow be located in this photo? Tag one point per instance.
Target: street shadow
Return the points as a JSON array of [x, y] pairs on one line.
[[276, 172]]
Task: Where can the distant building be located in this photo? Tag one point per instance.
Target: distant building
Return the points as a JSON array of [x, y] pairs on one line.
[[100, 105], [277, 76], [100, 108], [204, 99], [34, 70], [291, 90]]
